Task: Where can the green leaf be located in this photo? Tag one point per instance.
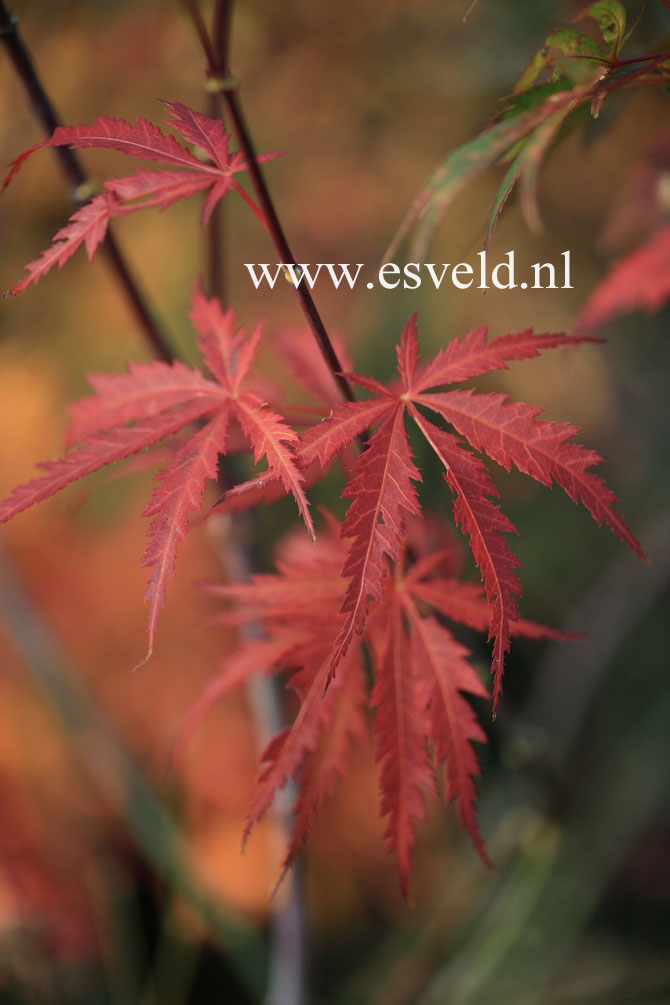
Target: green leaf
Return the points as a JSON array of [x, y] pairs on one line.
[[524, 164], [514, 104], [533, 154], [508, 183], [610, 16], [460, 168], [565, 41]]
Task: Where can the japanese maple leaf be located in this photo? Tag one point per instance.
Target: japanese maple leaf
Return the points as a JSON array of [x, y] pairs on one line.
[[510, 433], [132, 411], [186, 176], [639, 281], [422, 675]]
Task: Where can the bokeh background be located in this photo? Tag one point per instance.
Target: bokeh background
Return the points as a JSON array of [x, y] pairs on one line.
[[121, 877]]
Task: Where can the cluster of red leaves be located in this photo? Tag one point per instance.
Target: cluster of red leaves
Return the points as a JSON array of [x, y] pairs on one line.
[[423, 721], [324, 602], [382, 488], [186, 176]]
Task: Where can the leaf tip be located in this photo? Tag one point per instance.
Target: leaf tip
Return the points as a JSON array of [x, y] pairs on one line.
[[280, 879], [246, 834], [146, 659], [486, 861]]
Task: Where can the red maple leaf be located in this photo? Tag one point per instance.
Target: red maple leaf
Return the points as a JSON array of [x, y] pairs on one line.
[[382, 486], [638, 282], [422, 674], [158, 400], [187, 175]]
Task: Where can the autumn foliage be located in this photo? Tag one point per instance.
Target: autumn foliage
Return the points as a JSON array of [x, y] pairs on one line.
[[368, 588], [421, 670]]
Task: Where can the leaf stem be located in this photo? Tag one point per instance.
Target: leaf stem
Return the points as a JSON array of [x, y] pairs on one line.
[[250, 203], [76, 179], [654, 57]]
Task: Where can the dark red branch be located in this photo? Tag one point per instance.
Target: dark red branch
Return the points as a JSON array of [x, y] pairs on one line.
[[223, 84]]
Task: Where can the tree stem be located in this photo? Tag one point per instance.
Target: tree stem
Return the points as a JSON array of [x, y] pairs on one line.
[[216, 229]]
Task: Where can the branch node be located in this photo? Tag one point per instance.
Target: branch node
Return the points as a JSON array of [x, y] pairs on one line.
[[84, 192], [219, 85]]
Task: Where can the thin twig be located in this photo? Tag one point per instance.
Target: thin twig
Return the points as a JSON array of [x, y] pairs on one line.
[[312, 316], [216, 227], [222, 83], [76, 179], [221, 26], [216, 276], [287, 963]]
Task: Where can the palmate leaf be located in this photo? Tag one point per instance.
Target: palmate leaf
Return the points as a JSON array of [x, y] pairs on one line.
[[422, 676], [509, 433], [297, 609], [187, 175], [508, 136], [130, 412]]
